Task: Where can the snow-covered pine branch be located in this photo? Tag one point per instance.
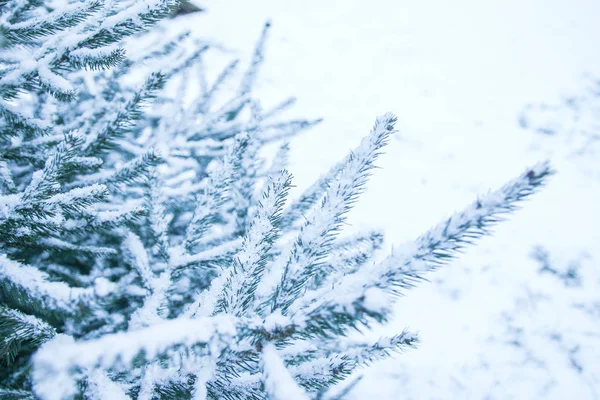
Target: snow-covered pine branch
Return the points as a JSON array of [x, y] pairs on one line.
[[310, 357], [366, 293], [279, 383], [138, 258], [249, 264], [318, 233]]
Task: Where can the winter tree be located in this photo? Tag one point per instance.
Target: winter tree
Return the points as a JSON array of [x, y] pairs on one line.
[[146, 249]]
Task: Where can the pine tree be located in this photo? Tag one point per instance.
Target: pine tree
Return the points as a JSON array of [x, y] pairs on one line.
[[147, 251]]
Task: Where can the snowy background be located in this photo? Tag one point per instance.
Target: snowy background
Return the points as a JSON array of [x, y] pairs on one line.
[[482, 89]]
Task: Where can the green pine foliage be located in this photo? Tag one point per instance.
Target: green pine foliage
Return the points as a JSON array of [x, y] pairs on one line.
[[147, 251]]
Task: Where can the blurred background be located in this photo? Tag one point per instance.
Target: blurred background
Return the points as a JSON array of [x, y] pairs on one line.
[[482, 89]]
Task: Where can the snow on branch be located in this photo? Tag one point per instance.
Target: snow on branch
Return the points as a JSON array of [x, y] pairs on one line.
[[76, 200], [135, 253], [57, 361], [249, 263], [159, 223], [96, 59], [67, 16], [209, 97], [44, 182], [257, 60], [346, 257], [366, 292], [215, 195], [34, 284], [279, 383], [363, 354], [15, 118], [18, 330], [445, 241], [136, 16], [101, 387], [125, 118], [7, 184], [316, 236]]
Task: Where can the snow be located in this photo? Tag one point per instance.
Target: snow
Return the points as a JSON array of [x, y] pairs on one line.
[[8, 203], [250, 260], [35, 282], [458, 75], [101, 387], [376, 300], [500, 323], [321, 224], [132, 13], [134, 249], [181, 260], [103, 287], [279, 383], [276, 320], [49, 78], [32, 327], [88, 193], [52, 378]]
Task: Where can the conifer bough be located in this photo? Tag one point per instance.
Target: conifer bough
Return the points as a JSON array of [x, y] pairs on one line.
[[129, 274]]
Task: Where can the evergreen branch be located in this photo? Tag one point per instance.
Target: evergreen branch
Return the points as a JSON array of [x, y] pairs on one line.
[[187, 62], [279, 383], [164, 49], [7, 185], [353, 251], [76, 200], [365, 354], [445, 241], [207, 301], [346, 257], [225, 250], [51, 81], [96, 59], [249, 264], [16, 394], [45, 182], [284, 105], [285, 130], [56, 361], [281, 159], [99, 221], [100, 386], [137, 17], [316, 236], [20, 332], [19, 122], [157, 218], [125, 118], [58, 20], [297, 209], [321, 373], [134, 170], [242, 185], [210, 128], [343, 394], [36, 291], [136, 255], [204, 105], [215, 194], [257, 59], [131, 172], [364, 293], [60, 245], [43, 215]]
